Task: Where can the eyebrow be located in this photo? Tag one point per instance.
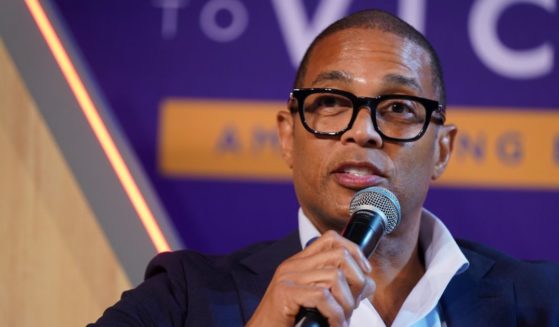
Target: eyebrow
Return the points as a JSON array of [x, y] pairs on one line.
[[333, 75], [400, 80]]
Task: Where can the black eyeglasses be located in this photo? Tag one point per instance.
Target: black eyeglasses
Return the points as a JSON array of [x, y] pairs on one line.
[[396, 117]]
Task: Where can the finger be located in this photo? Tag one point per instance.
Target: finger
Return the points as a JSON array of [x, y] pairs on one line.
[[368, 290], [324, 301], [334, 280], [283, 301], [332, 240], [338, 258]]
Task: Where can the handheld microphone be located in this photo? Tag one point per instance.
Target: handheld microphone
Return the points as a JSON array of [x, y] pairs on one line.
[[375, 211]]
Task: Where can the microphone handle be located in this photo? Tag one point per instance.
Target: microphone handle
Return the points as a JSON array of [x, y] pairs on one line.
[[365, 228], [310, 317]]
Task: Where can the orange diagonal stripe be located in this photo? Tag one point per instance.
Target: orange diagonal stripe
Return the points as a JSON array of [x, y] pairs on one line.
[[100, 130]]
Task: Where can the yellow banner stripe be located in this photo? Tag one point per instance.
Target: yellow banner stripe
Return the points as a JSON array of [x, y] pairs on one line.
[[504, 148], [221, 139], [238, 139]]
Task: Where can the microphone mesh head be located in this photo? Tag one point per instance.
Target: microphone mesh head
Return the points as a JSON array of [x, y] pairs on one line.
[[378, 199]]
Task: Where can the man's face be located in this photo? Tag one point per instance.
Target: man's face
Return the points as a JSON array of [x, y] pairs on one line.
[[328, 171]]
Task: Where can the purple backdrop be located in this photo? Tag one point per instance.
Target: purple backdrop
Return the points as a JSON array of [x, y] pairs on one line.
[[140, 53]]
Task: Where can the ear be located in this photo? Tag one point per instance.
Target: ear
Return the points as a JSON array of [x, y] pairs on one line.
[[444, 147], [285, 130]]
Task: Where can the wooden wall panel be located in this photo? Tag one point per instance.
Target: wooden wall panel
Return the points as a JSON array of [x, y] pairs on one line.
[[56, 267]]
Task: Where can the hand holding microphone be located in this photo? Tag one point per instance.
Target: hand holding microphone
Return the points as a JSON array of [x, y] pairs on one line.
[[330, 276], [374, 211]]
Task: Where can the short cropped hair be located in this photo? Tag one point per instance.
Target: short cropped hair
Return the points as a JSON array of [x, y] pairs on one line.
[[379, 20]]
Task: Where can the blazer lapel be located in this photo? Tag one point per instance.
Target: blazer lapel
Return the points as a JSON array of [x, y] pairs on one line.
[[473, 298], [255, 272]]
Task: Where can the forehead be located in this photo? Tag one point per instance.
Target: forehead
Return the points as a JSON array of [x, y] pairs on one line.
[[370, 57]]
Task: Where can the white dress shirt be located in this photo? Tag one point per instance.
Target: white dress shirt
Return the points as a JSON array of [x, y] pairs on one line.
[[443, 260]]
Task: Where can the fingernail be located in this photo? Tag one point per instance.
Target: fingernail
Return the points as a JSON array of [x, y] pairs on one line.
[[311, 241], [368, 267], [370, 287]]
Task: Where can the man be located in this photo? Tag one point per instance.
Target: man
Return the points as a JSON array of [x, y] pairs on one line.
[[367, 111]]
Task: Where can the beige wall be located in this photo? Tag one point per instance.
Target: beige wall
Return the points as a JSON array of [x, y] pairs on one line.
[[56, 267]]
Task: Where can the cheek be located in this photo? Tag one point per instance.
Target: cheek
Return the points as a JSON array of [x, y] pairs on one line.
[[304, 162], [413, 169], [312, 162], [309, 161], [417, 159]]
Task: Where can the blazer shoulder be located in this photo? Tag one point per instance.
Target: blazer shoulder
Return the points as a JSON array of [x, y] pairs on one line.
[[540, 270], [183, 265], [536, 283], [186, 287], [499, 290], [181, 261]]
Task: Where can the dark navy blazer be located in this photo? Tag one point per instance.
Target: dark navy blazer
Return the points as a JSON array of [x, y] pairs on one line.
[[185, 288]]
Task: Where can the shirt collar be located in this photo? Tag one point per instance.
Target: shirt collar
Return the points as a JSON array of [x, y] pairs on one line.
[[437, 244], [307, 231], [435, 239]]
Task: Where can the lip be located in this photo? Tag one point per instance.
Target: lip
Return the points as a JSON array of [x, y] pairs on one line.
[[358, 175]]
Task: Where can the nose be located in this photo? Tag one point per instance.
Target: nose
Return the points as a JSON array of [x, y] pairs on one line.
[[363, 131]]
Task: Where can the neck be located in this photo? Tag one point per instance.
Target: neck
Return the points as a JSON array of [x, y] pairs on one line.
[[397, 267]]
